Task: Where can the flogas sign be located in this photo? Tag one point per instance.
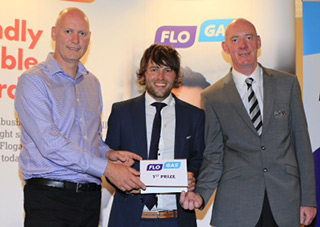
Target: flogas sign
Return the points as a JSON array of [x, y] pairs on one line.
[[185, 36], [166, 165]]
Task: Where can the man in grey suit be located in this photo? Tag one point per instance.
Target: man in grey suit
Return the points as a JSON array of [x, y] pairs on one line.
[[262, 166]]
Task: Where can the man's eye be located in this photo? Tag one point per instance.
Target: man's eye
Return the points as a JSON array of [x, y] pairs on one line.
[[168, 70], [83, 34], [68, 31], [234, 40]]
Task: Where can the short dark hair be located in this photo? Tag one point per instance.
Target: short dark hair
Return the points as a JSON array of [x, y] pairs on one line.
[[160, 55]]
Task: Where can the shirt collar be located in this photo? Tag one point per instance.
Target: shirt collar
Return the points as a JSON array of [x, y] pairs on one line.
[[239, 78], [149, 100], [54, 67]]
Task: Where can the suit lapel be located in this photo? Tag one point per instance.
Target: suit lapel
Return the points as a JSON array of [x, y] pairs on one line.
[[269, 87], [180, 128], [138, 117], [234, 98]]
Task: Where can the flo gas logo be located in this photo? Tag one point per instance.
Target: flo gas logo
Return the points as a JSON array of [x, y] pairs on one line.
[[213, 30], [185, 36], [166, 165], [172, 165], [82, 1], [178, 36], [154, 167]]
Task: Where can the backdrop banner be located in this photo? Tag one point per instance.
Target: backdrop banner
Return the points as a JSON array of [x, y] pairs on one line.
[[311, 81], [121, 31]]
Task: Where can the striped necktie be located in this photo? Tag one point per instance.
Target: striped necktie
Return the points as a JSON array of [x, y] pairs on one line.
[[254, 110]]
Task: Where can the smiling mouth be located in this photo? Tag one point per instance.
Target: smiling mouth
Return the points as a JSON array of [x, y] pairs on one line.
[[73, 48], [158, 84], [244, 54]]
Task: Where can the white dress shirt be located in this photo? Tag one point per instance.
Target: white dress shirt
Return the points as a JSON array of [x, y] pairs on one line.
[[166, 142], [257, 86]]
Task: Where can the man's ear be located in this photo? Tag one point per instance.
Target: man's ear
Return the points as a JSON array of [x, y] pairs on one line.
[[225, 47], [259, 42], [53, 33]]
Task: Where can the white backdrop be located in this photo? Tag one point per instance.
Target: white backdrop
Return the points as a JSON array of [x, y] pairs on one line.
[[121, 31]]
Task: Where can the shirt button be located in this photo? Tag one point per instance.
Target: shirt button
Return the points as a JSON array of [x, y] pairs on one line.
[[85, 137], [263, 148], [265, 170]]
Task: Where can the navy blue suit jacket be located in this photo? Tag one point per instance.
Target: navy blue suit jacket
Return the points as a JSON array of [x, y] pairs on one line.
[[127, 131]]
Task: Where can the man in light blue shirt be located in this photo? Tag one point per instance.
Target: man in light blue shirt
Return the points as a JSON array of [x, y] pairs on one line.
[[63, 158]]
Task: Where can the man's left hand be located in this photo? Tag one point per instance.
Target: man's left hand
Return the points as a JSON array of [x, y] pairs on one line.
[[307, 214]]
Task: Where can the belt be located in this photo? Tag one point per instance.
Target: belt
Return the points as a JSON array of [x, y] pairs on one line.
[[77, 187], [160, 214]]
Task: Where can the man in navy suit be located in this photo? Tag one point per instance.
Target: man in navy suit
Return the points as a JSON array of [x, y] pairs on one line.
[[182, 137]]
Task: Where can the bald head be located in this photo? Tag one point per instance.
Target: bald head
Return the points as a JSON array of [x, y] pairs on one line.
[[237, 23], [72, 36], [242, 44], [74, 12]]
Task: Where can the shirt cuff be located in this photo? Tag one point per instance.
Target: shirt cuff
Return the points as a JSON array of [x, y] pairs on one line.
[[104, 149], [98, 167]]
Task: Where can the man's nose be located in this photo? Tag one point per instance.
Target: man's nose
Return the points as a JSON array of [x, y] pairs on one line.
[[243, 43], [75, 38], [161, 74]]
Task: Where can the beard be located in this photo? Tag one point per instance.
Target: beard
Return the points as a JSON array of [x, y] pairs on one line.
[[158, 94]]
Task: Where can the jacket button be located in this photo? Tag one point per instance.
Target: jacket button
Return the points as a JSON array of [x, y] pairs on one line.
[[142, 200], [265, 170], [263, 148]]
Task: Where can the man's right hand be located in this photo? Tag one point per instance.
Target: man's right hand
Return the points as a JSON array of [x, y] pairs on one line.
[[190, 200], [124, 177], [123, 157]]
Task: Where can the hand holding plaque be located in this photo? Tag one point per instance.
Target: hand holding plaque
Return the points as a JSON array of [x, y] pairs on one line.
[[164, 176]]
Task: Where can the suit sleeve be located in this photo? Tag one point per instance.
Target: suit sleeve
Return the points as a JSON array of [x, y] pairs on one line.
[[113, 138], [301, 142], [196, 157], [211, 168]]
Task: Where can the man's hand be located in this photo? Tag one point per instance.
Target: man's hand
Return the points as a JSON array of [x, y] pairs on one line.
[[307, 214], [123, 157], [190, 200], [124, 177], [191, 182]]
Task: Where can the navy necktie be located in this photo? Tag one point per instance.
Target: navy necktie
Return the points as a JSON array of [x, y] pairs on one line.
[[156, 129], [151, 199]]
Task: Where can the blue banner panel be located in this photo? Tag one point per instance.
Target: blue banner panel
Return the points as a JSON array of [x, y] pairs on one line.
[[311, 28]]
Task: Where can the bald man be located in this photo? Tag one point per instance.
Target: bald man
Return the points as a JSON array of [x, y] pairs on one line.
[[258, 154], [63, 158]]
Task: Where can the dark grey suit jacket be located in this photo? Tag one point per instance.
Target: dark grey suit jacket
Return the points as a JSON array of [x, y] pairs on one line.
[[241, 165], [127, 131]]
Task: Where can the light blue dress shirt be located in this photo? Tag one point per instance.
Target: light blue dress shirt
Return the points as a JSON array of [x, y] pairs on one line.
[[61, 124]]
